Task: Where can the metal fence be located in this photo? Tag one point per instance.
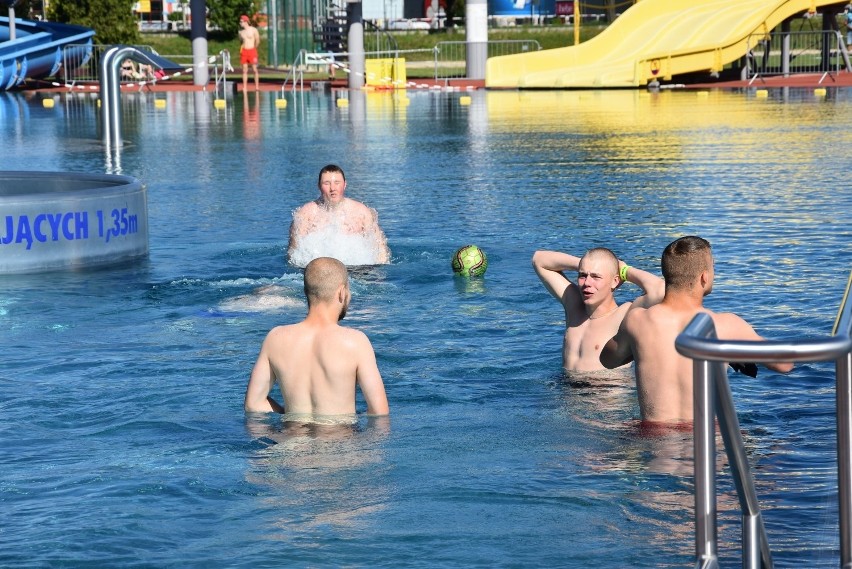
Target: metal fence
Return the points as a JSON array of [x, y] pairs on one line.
[[77, 68], [450, 57], [81, 66], [447, 60], [789, 53]]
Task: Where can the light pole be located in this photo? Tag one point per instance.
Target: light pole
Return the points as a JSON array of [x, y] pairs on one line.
[[11, 5], [198, 34]]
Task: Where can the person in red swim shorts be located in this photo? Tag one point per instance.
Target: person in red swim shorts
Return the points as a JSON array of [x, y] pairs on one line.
[[249, 40]]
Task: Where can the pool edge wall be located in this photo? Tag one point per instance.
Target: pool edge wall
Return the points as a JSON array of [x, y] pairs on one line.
[[51, 221]]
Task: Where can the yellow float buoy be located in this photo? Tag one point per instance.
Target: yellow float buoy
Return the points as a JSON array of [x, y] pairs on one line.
[[464, 101], [819, 92], [219, 103], [48, 103], [341, 102], [160, 103], [761, 93], [280, 103]]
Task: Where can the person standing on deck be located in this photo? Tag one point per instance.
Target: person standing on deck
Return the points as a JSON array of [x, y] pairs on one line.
[[249, 42]]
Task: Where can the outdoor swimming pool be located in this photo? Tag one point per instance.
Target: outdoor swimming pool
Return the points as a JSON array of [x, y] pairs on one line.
[[124, 439]]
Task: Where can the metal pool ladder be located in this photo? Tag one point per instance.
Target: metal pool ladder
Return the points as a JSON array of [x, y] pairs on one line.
[[712, 398]]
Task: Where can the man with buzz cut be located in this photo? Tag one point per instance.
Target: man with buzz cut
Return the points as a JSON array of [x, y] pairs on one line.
[[317, 363], [592, 315]]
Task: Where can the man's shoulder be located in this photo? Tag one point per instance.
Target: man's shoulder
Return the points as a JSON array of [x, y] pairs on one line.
[[284, 330], [732, 326], [351, 332], [355, 205], [635, 311], [640, 318], [306, 208]]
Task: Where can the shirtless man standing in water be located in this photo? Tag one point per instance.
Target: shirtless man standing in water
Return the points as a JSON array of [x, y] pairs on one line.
[[317, 363], [663, 376], [592, 316], [352, 217]]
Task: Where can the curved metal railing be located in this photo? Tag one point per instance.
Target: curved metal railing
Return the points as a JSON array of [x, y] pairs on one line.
[[712, 398]]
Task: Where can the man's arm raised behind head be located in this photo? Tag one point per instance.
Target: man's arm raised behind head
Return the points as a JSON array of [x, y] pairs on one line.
[[548, 265], [369, 378], [653, 287]]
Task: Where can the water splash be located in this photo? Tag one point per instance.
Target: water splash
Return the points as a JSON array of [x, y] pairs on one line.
[[333, 240]]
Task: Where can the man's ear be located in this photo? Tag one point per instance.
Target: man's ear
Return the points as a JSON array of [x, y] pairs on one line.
[[341, 293]]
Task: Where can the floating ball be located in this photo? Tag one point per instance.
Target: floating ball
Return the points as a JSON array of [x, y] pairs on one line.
[[470, 261]]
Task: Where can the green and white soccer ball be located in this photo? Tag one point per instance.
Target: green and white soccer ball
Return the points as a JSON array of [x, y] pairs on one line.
[[470, 261]]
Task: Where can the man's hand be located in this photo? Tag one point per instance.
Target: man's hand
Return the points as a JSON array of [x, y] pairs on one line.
[[744, 368]]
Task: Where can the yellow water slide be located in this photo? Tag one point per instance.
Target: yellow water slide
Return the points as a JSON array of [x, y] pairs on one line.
[[653, 39]]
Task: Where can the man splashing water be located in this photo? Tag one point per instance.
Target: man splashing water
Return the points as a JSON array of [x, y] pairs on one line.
[[336, 226]]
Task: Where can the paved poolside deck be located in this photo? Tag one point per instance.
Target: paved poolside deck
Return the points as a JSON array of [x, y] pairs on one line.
[[271, 80], [804, 80], [814, 80]]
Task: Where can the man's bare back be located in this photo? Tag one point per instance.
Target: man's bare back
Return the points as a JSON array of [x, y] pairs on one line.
[[663, 377], [647, 335], [317, 363]]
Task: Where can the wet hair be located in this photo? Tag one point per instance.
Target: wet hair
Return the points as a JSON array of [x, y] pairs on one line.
[[684, 260], [607, 254], [322, 277], [329, 168]]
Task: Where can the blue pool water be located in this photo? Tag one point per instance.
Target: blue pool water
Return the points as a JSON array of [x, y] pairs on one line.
[[124, 439]]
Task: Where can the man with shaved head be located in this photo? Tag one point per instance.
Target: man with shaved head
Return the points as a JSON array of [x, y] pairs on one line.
[[592, 315], [317, 362]]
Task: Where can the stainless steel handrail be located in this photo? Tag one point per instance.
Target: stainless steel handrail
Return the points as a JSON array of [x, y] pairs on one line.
[[712, 397], [296, 72], [110, 89], [844, 317]]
